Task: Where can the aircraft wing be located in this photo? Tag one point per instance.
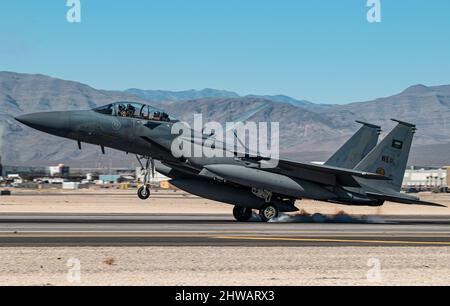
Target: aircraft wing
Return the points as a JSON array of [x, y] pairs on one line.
[[321, 174], [402, 199]]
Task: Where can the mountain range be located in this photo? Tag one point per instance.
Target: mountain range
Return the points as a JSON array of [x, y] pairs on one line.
[[170, 96], [164, 96], [309, 131]]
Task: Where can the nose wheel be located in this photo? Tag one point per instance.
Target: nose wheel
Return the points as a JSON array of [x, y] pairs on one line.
[[144, 191]]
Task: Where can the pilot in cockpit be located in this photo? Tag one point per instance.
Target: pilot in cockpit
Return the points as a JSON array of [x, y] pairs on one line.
[[159, 116], [126, 111], [122, 110], [130, 111], [165, 117]]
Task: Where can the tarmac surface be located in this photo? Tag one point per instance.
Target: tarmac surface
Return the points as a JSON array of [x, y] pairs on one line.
[[217, 230]]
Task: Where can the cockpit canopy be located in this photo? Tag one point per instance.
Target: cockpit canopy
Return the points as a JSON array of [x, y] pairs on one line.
[[134, 110]]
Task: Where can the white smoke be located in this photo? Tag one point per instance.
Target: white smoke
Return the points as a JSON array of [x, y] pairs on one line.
[[342, 217]]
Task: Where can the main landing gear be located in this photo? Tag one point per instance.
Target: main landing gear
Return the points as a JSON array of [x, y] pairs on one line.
[[144, 191], [268, 212], [242, 214]]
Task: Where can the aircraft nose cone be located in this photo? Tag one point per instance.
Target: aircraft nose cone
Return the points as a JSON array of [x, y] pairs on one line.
[[56, 123], [25, 119]]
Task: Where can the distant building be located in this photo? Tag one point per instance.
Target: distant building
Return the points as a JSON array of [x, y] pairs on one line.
[[60, 171], [112, 179], [95, 172], [157, 179], [423, 177], [26, 172], [15, 178], [70, 185]]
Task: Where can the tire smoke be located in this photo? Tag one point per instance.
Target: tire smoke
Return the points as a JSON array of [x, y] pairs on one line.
[[341, 217]]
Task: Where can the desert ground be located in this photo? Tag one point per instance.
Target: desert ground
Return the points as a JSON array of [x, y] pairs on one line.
[[269, 266], [224, 266]]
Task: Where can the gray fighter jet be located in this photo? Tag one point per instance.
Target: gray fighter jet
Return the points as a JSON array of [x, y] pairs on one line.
[[360, 173]]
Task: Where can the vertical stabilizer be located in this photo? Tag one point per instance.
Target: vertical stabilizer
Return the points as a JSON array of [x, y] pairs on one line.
[[390, 157], [355, 149]]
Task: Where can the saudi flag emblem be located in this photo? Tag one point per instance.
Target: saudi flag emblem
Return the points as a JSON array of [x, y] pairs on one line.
[[397, 144]]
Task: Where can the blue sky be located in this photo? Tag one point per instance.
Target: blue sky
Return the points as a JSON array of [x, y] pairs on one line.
[[320, 50]]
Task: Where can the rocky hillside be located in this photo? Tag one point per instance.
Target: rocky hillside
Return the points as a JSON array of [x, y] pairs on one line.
[[309, 132], [428, 107]]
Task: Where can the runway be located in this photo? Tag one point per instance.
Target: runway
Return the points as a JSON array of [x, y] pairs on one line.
[[57, 230]]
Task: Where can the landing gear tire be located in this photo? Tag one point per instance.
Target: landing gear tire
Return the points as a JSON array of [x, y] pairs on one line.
[[268, 212], [147, 169], [242, 214], [144, 192]]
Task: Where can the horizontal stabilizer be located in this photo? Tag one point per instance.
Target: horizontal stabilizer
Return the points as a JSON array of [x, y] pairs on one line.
[[403, 199], [299, 166]]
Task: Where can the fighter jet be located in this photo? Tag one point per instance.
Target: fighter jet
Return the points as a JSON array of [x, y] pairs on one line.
[[360, 173]]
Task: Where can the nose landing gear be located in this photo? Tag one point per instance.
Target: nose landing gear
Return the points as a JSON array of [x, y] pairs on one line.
[[144, 191]]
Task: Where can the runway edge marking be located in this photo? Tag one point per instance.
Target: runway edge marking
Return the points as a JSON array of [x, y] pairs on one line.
[[387, 242]]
